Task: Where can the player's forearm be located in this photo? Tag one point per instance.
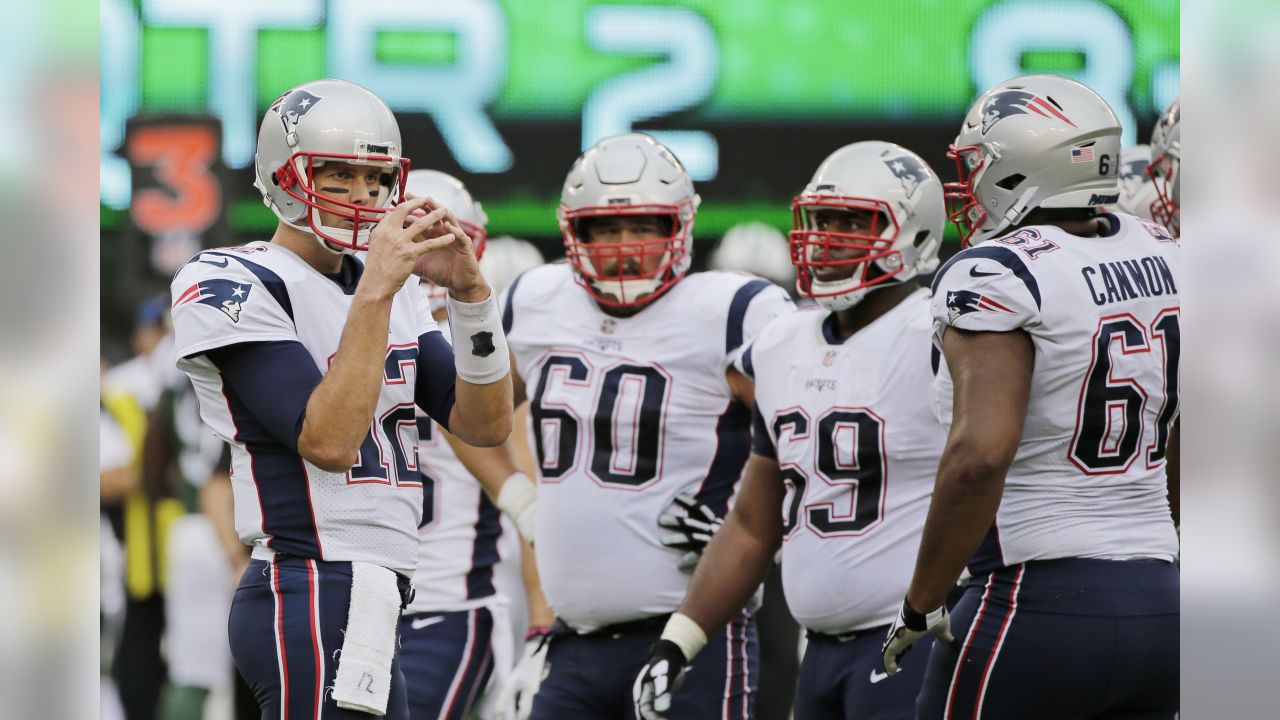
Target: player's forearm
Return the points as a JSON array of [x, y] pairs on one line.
[[1173, 470], [340, 409], [481, 416], [734, 564], [216, 503], [965, 499], [490, 466], [540, 614]]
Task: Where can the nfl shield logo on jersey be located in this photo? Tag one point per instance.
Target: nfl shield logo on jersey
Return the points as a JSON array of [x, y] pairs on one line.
[[225, 295]]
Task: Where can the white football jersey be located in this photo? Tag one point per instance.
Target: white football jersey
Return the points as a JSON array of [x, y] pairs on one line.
[[625, 413], [851, 424], [263, 292], [1088, 479], [461, 529]]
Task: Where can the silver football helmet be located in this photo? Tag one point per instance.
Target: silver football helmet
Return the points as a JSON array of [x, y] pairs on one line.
[[628, 174], [1031, 142], [755, 248], [451, 193], [905, 197], [326, 121], [1137, 192], [1166, 164]]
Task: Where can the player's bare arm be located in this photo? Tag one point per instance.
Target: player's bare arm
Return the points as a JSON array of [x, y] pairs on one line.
[[509, 488], [1173, 471], [741, 552], [992, 375], [341, 407], [742, 387]]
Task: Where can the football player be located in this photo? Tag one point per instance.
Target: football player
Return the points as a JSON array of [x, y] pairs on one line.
[[1166, 166], [846, 444], [309, 363], [1059, 329], [457, 630], [1137, 192], [626, 359]]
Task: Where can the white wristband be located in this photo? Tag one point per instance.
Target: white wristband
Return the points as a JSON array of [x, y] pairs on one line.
[[686, 634], [479, 346], [517, 498]]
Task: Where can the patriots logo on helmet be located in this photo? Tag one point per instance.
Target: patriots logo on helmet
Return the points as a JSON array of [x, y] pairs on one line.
[[1008, 103], [908, 170], [225, 295], [963, 302], [292, 106], [1136, 169]]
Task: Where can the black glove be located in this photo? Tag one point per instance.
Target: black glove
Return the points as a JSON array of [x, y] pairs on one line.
[[658, 680], [693, 530]]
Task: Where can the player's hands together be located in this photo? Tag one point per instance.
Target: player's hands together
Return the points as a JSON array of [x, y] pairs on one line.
[[398, 241], [452, 263], [693, 530], [909, 627], [658, 680], [515, 697]]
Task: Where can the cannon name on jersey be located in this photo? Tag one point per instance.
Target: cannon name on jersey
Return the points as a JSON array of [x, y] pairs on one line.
[[1103, 313], [852, 427], [625, 413], [263, 292]]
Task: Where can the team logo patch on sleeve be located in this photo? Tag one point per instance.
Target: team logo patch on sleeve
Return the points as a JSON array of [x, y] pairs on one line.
[[225, 295], [963, 302]]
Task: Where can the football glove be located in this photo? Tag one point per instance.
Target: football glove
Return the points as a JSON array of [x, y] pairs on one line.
[[910, 627], [658, 681], [693, 530], [515, 698]]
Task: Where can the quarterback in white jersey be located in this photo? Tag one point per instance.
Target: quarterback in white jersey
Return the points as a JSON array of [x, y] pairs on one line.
[[309, 363], [1058, 378], [846, 443], [627, 365]]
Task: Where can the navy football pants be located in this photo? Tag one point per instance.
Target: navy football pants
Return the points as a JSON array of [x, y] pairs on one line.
[[590, 677], [286, 625], [845, 680], [447, 658], [1058, 640]]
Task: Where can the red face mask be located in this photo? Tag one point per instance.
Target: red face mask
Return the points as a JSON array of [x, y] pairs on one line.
[[300, 185], [813, 251], [614, 274]]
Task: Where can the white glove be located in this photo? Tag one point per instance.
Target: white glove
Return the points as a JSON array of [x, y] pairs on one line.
[[910, 627], [693, 530], [516, 697], [658, 681]]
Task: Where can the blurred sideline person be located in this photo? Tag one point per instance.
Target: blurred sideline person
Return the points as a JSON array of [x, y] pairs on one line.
[[183, 462], [309, 363], [1166, 168], [845, 444], [141, 515], [457, 631], [1059, 332], [632, 402]]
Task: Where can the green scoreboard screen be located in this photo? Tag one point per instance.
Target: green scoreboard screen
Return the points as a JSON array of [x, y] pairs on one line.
[[750, 94]]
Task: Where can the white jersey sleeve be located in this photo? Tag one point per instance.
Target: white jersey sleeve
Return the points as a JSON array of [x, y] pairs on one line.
[[218, 301], [985, 289]]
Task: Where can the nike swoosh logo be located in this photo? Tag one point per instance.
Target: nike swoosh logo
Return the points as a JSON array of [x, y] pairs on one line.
[[877, 676], [215, 264], [424, 622], [974, 272]]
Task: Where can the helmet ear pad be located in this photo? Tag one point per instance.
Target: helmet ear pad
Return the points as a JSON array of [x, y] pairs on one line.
[[320, 122]]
